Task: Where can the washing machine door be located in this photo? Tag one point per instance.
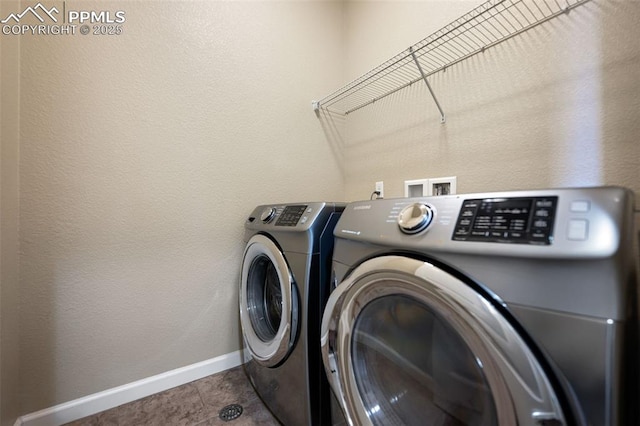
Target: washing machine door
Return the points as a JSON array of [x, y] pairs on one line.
[[406, 343], [268, 302]]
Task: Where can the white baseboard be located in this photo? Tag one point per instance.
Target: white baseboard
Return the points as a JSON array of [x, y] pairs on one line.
[[97, 402]]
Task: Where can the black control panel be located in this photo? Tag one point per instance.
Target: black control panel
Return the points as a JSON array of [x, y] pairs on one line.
[[507, 220], [291, 215]]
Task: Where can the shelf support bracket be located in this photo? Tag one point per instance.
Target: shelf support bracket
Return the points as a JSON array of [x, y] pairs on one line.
[[424, 77], [316, 107]]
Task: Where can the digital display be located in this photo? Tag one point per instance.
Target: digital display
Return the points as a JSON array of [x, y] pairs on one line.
[[291, 215], [507, 220]]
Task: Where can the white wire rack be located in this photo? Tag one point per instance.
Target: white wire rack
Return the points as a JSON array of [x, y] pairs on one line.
[[485, 26]]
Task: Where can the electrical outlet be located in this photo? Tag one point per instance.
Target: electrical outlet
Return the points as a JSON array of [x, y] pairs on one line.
[[380, 189]]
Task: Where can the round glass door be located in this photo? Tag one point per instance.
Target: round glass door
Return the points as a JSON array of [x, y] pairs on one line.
[[264, 298], [268, 302], [406, 343], [412, 368]]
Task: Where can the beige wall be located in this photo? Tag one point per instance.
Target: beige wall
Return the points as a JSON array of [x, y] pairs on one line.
[[9, 246], [140, 156], [555, 106]]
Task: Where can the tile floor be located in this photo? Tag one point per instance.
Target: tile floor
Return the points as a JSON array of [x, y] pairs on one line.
[[196, 403]]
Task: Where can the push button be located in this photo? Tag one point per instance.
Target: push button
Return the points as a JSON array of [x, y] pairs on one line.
[[540, 223], [464, 222], [578, 229], [467, 213], [539, 235], [580, 206], [542, 213], [462, 232], [472, 204], [547, 204]]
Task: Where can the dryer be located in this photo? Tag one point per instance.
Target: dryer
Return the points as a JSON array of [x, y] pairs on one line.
[[486, 309], [284, 286]]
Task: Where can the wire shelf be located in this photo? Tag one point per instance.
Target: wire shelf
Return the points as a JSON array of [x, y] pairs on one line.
[[485, 26]]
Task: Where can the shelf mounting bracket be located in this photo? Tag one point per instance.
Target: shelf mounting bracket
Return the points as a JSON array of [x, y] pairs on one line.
[[424, 77]]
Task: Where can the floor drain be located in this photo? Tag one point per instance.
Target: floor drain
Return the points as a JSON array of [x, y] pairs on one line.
[[230, 412]]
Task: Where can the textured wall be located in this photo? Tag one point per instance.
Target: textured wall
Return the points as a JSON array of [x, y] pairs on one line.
[[555, 106], [9, 247], [141, 155]]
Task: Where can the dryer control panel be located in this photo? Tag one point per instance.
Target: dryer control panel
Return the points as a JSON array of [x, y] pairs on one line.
[[584, 223], [523, 220]]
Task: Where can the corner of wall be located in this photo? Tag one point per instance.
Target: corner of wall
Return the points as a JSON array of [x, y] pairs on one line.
[[9, 221]]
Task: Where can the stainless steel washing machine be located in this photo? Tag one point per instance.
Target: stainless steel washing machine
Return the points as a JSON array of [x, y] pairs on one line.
[[512, 308], [284, 287]]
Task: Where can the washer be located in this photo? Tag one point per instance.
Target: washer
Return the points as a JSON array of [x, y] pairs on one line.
[[284, 287], [486, 309]]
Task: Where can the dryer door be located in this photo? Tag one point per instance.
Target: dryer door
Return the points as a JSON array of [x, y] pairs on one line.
[[268, 302], [406, 343]]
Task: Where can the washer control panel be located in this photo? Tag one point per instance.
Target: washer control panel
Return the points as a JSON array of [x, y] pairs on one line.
[[291, 215], [522, 220], [294, 217]]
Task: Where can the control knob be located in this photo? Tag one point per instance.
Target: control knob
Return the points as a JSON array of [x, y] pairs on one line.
[[415, 218], [268, 214]]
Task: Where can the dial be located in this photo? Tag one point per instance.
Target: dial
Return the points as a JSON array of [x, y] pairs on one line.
[[268, 214], [415, 218]]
